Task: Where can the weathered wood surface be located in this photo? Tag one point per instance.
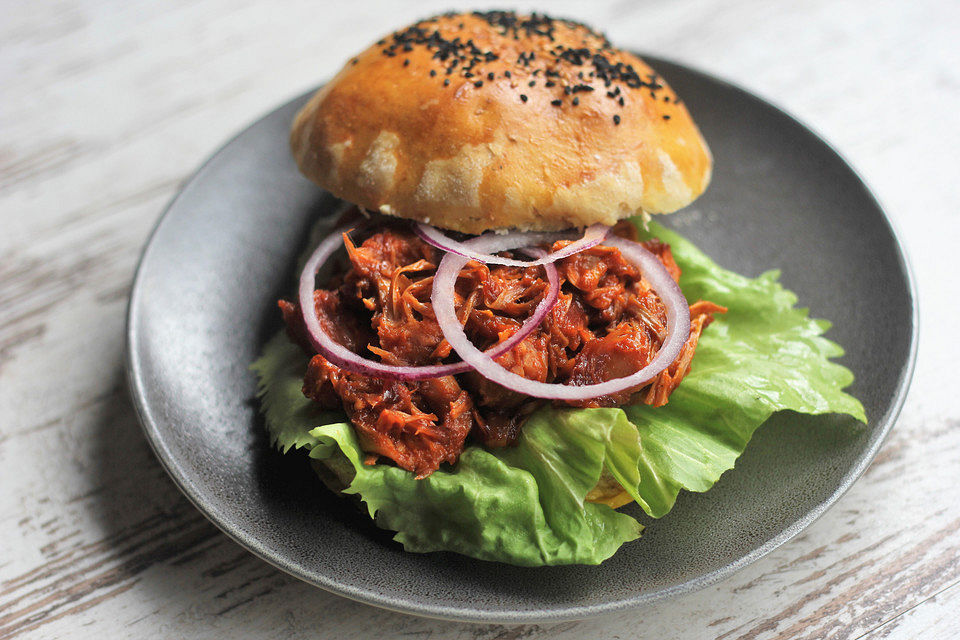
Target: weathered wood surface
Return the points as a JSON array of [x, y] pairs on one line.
[[107, 106]]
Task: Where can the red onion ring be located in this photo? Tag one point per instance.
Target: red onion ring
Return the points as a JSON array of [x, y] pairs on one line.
[[678, 329], [339, 355], [592, 236]]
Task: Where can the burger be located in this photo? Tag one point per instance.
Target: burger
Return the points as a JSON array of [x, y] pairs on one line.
[[490, 349]]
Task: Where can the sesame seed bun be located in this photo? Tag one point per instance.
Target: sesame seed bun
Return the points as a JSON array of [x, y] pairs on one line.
[[494, 120]]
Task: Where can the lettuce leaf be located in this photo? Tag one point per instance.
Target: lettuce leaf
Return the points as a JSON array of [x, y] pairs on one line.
[[763, 355], [525, 504]]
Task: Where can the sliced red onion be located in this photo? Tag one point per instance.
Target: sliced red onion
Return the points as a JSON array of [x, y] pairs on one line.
[[678, 329], [346, 359], [592, 236]]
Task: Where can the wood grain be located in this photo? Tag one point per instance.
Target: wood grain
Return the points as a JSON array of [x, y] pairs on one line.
[[108, 106]]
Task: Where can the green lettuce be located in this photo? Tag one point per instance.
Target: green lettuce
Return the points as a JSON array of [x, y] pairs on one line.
[[526, 504]]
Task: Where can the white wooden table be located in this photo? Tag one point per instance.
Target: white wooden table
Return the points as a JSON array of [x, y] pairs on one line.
[[105, 107]]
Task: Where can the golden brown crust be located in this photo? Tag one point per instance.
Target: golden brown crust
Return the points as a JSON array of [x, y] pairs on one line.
[[405, 130]]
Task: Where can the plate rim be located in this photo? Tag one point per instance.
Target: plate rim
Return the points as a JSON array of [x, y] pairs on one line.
[[136, 386]]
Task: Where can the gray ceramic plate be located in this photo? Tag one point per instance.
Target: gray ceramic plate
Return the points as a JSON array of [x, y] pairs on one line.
[[203, 304]]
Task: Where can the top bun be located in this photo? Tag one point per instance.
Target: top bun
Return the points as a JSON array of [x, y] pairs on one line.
[[495, 120]]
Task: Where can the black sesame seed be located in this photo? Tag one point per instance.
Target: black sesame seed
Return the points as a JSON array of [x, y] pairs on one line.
[[450, 52], [406, 62], [556, 103], [616, 119], [446, 82], [433, 73], [620, 101], [576, 101], [523, 98], [593, 54], [532, 83], [666, 117]]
